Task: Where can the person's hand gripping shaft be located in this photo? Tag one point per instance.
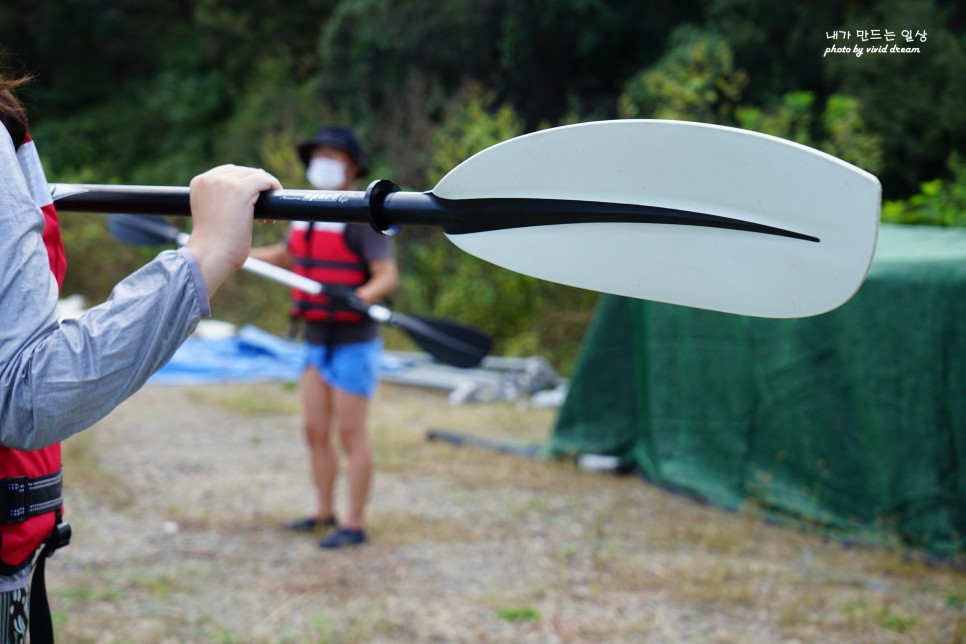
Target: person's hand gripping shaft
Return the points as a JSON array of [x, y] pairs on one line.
[[222, 206]]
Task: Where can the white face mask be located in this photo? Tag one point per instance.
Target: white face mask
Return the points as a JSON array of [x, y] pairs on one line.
[[326, 174]]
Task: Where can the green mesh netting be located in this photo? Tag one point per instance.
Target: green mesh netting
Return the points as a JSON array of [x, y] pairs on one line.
[[853, 421]]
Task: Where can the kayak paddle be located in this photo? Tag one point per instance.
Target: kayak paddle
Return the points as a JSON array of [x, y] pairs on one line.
[[687, 213]]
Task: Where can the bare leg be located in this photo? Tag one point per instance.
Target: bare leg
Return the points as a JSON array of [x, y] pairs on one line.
[[317, 409], [350, 422]]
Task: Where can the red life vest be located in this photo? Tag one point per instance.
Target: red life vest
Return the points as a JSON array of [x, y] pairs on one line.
[[19, 470], [319, 252]]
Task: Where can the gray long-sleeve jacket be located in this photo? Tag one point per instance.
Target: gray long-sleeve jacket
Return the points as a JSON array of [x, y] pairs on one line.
[[57, 378]]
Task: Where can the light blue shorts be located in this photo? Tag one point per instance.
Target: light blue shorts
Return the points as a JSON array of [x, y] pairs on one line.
[[351, 367]]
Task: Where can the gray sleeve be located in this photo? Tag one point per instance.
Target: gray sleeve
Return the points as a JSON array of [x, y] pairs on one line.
[[57, 378]]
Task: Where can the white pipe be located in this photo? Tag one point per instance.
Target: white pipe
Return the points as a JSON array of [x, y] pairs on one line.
[[279, 274], [271, 271]]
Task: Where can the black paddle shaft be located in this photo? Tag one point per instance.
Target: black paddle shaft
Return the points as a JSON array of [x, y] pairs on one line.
[[384, 207]]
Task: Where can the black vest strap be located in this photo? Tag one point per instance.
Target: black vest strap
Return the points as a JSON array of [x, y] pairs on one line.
[[41, 622], [23, 498]]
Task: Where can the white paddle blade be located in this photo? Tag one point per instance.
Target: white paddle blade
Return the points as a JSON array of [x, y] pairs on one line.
[[693, 167]]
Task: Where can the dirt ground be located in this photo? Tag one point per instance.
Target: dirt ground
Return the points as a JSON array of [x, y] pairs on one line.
[[176, 497]]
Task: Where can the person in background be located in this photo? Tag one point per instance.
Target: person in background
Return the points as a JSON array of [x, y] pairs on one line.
[[343, 349], [58, 378]]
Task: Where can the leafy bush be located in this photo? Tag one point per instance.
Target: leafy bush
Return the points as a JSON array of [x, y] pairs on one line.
[[941, 202], [149, 92], [697, 80], [525, 315]]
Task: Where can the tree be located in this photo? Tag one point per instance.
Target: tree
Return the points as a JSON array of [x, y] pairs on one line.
[[695, 80], [912, 101]]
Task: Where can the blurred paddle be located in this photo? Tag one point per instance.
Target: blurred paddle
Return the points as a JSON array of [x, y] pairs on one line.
[[448, 342]]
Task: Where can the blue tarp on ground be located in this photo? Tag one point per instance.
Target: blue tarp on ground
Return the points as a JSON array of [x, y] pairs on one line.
[[251, 355]]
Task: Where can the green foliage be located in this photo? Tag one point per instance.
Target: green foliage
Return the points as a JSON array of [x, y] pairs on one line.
[[525, 315], [95, 262], [520, 614], [152, 91], [848, 136], [695, 81], [547, 57], [85, 51], [839, 131], [266, 123], [938, 203], [472, 123], [776, 42], [896, 621], [791, 119], [559, 56], [913, 102], [159, 132], [909, 102]]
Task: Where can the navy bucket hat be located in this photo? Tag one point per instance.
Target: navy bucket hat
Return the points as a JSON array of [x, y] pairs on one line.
[[338, 137]]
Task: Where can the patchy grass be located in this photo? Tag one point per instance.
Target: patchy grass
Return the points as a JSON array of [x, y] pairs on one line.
[[400, 528], [466, 544], [82, 457], [260, 399], [520, 614]]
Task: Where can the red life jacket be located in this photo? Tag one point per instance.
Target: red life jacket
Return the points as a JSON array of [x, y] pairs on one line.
[[37, 470], [320, 253]]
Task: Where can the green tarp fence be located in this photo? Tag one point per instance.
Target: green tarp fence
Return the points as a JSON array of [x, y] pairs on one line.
[[853, 422]]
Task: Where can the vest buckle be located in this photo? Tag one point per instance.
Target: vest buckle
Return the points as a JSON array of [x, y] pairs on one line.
[[23, 497], [15, 507]]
